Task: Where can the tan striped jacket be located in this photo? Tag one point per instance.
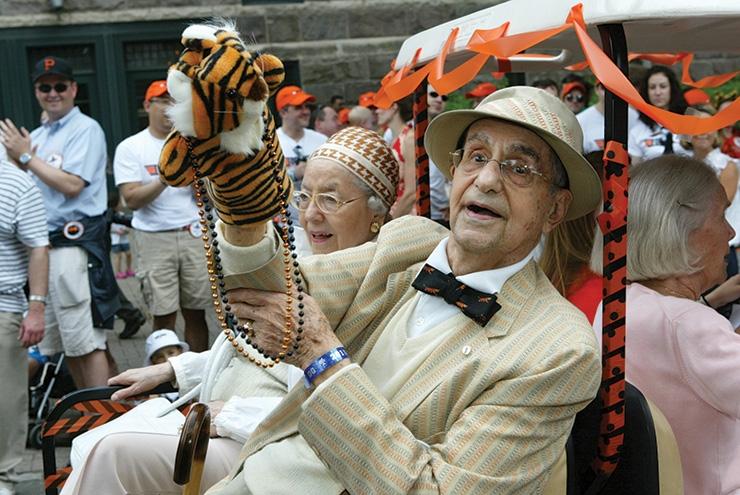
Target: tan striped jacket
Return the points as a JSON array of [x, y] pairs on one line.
[[490, 421]]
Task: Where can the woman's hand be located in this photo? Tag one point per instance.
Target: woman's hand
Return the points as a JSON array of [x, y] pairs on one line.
[[138, 381], [725, 293], [265, 311]]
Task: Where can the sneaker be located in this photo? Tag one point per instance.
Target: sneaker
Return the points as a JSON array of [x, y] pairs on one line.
[[133, 324], [120, 275], [130, 273]]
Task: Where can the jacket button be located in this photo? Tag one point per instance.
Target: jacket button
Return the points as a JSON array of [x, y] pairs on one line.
[[466, 350]]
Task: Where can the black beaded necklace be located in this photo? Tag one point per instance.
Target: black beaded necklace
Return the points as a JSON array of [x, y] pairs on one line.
[[227, 319]]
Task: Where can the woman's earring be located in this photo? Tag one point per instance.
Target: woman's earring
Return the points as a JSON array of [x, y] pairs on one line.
[[375, 227]]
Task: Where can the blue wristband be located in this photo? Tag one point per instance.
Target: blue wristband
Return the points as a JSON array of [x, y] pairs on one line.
[[323, 363]]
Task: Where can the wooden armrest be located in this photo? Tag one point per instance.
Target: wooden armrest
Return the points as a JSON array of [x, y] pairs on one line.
[[191, 451]]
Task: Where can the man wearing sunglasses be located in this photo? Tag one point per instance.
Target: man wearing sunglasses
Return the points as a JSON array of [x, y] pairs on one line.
[[67, 159], [438, 184], [575, 92]]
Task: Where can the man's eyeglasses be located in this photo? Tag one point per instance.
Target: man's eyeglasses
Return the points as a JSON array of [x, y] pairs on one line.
[[58, 87], [574, 97], [515, 170], [327, 203], [434, 94]]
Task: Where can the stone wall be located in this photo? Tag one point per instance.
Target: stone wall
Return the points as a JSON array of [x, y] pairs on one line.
[[342, 46]]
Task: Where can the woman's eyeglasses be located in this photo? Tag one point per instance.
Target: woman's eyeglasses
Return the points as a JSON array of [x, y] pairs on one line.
[[58, 87], [574, 97], [434, 94], [325, 202]]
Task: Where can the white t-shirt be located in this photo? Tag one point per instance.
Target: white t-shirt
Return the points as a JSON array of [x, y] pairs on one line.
[[136, 160], [646, 143], [592, 123], [388, 136], [295, 151]]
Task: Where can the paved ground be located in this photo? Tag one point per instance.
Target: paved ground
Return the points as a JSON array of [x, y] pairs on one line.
[[128, 354]]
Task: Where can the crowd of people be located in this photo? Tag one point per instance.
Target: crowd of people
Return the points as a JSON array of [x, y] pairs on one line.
[[443, 343]]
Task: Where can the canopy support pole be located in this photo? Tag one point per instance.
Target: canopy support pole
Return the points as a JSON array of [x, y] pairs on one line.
[[614, 227], [421, 121]]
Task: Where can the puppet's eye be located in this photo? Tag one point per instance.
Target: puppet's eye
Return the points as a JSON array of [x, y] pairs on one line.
[[231, 93]]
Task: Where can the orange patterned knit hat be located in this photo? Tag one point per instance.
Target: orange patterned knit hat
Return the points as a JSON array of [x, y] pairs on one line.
[[365, 154]]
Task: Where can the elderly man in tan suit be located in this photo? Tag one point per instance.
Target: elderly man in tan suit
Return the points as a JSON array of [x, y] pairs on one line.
[[432, 398], [439, 361]]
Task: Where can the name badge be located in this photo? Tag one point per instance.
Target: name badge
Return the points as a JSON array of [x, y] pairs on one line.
[[55, 160], [73, 230], [195, 229]]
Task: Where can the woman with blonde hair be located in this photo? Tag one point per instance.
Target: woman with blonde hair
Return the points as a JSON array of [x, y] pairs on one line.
[[571, 258]]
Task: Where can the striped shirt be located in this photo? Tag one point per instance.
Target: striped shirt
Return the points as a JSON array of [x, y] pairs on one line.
[[22, 226]]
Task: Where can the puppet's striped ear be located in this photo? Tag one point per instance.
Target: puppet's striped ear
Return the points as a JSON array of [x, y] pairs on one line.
[[199, 37], [272, 70]]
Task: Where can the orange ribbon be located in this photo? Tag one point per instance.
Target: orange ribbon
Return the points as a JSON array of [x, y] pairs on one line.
[[487, 43], [613, 79]]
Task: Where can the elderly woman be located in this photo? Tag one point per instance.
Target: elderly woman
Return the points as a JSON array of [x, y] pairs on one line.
[[348, 187], [683, 355]]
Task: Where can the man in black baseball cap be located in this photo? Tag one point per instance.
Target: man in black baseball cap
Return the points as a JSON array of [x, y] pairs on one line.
[[67, 156], [49, 66]]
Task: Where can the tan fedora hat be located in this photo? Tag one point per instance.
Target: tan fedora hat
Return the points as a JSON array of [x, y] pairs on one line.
[[536, 110]]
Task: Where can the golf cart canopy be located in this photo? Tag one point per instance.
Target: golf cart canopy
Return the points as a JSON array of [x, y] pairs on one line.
[[656, 26]]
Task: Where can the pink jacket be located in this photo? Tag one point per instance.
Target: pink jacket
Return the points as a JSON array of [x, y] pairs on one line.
[[686, 359]]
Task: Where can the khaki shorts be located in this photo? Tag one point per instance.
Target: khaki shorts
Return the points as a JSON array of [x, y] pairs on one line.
[[172, 269], [69, 325]]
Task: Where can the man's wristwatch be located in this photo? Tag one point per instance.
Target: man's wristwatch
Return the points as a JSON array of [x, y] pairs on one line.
[[37, 298], [25, 158]]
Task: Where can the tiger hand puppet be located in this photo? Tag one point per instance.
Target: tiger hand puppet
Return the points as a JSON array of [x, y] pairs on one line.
[[222, 126]]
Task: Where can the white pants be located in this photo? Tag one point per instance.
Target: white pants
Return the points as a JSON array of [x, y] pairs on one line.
[[14, 393], [143, 464]]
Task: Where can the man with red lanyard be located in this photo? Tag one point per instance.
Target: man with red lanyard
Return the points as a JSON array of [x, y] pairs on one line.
[[168, 249]]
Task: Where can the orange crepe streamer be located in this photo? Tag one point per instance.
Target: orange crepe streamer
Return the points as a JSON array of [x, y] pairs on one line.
[[706, 82], [494, 42], [460, 75], [613, 79]]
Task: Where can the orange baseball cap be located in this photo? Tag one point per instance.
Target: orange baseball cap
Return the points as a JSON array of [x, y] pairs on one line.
[[155, 89], [481, 91], [568, 87], [343, 115], [696, 96], [292, 95], [367, 100]]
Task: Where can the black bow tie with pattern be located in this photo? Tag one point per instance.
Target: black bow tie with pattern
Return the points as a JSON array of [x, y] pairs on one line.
[[476, 305]]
